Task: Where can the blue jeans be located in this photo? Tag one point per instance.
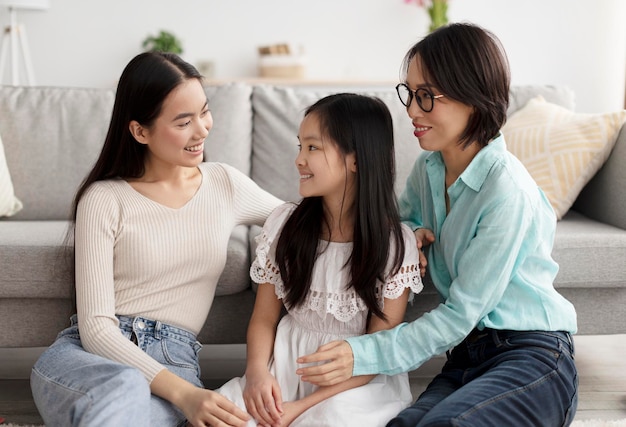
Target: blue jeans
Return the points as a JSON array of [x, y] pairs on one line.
[[72, 387], [501, 378]]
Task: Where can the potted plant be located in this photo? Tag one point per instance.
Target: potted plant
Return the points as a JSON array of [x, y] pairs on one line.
[[163, 42]]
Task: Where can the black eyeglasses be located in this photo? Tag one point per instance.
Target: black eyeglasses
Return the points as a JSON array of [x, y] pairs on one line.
[[425, 99]]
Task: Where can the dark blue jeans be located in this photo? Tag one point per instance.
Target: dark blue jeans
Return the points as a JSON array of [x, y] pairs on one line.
[[501, 378]]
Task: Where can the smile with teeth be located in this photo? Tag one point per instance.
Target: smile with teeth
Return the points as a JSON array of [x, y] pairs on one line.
[[195, 148], [306, 176], [421, 128]]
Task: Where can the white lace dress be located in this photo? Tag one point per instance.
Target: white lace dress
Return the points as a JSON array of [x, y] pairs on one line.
[[329, 313]]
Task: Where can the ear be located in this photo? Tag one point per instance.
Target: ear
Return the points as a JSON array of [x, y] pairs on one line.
[[138, 132], [352, 163]]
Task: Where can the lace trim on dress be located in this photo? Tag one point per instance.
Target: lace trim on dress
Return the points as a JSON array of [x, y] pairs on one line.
[[407, 277], [342, 306], [262, 270]]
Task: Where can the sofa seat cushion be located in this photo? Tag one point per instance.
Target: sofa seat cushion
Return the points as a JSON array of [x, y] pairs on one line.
[[33, 261], [590, 254]]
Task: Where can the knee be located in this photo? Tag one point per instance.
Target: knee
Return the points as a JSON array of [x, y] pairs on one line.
[[409, 417]]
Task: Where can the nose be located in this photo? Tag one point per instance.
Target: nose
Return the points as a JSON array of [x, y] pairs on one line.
[[414, 110], [300, 160], [206, 125]]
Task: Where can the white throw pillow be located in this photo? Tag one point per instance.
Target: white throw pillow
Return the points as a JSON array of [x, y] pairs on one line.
[[561, 149], [9, 204]]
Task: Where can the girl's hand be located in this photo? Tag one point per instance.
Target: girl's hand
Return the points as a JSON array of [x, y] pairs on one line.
[[424, 238], [263, 397], [337, 367], [205, 407]]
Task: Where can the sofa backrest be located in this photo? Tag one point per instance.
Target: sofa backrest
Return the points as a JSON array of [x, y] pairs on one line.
[[53, 136], [278, 111]]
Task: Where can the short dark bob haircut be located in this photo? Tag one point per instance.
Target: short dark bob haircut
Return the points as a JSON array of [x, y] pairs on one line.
[[468, 64]]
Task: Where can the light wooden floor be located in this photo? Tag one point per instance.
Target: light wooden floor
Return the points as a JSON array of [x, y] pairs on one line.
[[601, 362]]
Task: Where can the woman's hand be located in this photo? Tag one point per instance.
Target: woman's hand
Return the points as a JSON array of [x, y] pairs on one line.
[[424, 237], [201, 407], [337, 367], [205, 407], [263, 397]]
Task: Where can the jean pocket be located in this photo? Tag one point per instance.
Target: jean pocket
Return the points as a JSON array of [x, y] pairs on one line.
[[545, 343], [181, 354]]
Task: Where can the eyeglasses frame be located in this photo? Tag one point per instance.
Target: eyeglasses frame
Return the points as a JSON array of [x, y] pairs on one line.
[[413, 95]]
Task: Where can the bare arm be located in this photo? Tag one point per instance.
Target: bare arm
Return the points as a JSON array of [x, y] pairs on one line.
[[262, 393]]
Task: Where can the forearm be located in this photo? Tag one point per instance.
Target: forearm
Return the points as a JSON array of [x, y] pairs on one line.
[[326, 392], [259, 347], [171, 387]]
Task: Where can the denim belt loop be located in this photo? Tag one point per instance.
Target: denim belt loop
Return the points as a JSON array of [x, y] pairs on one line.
[[157, 329], [495, 336]]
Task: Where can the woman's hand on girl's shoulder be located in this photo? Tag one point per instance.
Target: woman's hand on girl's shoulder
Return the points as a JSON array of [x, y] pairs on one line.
[[424, 237]]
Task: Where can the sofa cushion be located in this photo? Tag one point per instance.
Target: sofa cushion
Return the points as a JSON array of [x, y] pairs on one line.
[[230, 139], [562, 150], [33, 261], [590, 254], [52, 136], [278, 112], [559, 95], [9, 204]]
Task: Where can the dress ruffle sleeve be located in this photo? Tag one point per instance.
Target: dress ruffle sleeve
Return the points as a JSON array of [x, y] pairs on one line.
[[408, 276], [264, 268]]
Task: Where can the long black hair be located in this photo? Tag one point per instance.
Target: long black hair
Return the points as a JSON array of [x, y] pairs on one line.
[[362, 125], [468, 64], [145, 83], [143, 86]]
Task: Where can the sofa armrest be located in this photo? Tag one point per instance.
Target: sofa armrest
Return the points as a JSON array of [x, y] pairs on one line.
[[604, 197]]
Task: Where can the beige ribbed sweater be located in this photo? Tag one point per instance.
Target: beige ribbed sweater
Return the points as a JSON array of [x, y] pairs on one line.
[[136, 257]]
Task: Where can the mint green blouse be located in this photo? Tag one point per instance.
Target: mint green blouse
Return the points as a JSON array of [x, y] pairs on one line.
[[490, 263]]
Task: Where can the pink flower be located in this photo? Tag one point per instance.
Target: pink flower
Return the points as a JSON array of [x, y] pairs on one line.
[[420, 3]]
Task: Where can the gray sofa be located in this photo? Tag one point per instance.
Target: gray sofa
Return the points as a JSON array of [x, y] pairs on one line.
[[52, 136]]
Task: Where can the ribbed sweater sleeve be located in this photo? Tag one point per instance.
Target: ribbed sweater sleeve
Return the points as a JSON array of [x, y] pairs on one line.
[[135, 257]]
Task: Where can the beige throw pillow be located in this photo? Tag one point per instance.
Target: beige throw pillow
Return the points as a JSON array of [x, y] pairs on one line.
[[562, 150], [9, 204]]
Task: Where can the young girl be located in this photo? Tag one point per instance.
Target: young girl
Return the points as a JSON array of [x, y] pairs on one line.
[[490, 229], [341, 264], [152, 221]]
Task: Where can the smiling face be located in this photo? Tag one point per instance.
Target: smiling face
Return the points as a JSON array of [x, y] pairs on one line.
[[176, 137], [441, 128], [324, 170]]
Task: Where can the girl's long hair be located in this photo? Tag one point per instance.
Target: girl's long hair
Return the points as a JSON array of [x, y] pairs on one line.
[[362, 125]]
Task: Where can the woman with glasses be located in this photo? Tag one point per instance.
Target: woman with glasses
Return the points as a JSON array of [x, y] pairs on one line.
[[487, 232]]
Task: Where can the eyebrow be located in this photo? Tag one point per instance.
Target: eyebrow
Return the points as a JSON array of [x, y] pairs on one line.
[[185, 115]]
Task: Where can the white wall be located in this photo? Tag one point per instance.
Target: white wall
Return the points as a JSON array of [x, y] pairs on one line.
[[86, 43]]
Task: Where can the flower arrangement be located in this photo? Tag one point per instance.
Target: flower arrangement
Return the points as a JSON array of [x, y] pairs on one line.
[[437, 10]]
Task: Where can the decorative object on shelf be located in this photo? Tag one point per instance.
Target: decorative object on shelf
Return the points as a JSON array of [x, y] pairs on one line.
[[279, 61], [15, 39], [437, 11], [165, 41]]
